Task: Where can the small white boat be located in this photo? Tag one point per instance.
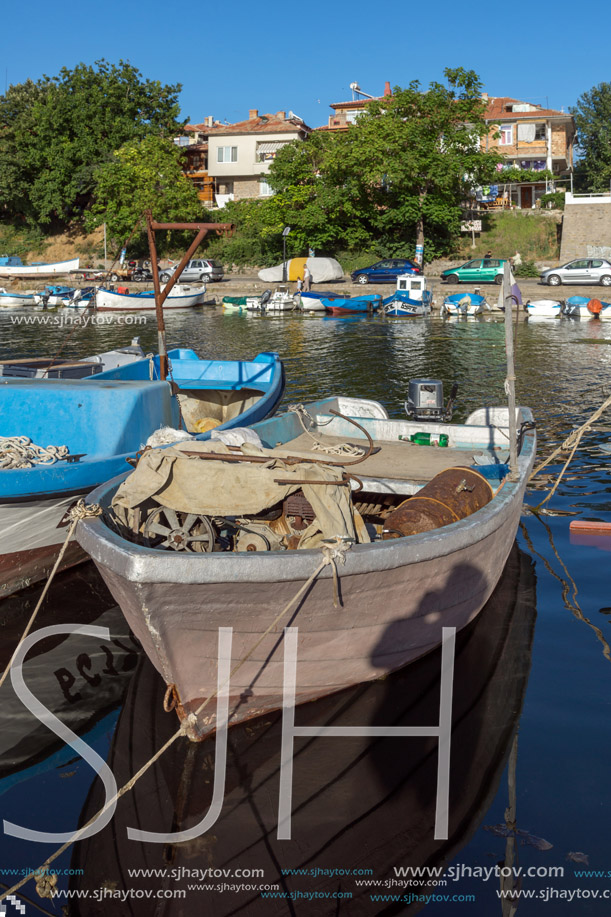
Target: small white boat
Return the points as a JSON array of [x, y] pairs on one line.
[[9, 300], [182, 296], [544, 308], [464, 304], [216, 556], [11, 266], [586, 307], [281, 300]]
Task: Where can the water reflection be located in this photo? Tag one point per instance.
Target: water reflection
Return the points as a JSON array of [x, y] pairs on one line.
[[357, 803]]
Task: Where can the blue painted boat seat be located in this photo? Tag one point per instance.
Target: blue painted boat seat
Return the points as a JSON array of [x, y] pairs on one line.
[[92, 417]]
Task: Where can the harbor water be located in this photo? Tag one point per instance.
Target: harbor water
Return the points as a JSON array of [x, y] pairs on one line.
[[529, 792]]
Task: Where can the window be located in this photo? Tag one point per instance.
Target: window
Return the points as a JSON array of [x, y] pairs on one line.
[[227, 154], [264, 188], [506, 134], [596, 264], [266, 151], [540, 132]]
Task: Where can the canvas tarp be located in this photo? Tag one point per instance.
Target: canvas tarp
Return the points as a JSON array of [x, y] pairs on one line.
[[323, 270], [212, 487]]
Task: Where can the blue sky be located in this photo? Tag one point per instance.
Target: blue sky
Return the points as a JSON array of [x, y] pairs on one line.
[[232, 56]]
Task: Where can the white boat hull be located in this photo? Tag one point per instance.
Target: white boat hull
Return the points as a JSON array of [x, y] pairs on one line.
[[544, 308], [40, 270], [108, 301], [16, 300]]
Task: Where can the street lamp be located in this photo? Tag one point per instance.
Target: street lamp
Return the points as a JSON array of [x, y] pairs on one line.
[[285, 233]]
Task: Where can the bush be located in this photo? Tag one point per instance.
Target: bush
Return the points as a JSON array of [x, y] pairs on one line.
[[526, 269], [555, 198]]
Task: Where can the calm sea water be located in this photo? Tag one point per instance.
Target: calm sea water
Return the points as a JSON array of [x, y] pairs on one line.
[[531, 742]]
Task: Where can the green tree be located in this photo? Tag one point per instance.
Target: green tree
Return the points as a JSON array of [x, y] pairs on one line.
[[400, 172], [593, 121], [144, 174], [56, 132]]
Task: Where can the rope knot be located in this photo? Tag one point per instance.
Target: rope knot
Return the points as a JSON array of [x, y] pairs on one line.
[[188, 724], [81, 510], [333, 552], [45, 885]]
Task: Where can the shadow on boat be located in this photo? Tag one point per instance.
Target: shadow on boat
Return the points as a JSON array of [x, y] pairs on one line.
[[360, 805]]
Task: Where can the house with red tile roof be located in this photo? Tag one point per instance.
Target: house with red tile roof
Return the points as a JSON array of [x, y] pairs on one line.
[[346, 113], [529, 137], [232, 161]]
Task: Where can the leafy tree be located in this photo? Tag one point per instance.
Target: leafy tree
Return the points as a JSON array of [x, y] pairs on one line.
[[54, 134], [399, 172], [144, 175], [593, 121]]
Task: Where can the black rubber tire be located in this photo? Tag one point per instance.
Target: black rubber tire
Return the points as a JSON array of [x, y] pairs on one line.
[[498, 279], [605, 281], [203, 278], [114, 277], [164, 278], [362, 278], [554, 280], [453, 278]]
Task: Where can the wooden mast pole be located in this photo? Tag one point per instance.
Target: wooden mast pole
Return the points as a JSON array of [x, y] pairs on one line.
[[510, 381], [161, 295]]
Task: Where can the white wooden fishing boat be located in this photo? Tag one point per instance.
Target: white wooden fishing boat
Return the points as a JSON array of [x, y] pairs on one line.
[[464, 304], [587, 307], [182, 565], [181, 296], [281, 300], [544, 308], [11, 300], [8, 269]]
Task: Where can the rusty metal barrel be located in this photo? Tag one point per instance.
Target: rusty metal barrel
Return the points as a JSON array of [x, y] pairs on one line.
[[451, 495]]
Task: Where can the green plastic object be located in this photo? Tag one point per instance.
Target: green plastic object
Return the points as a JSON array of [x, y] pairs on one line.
[[428, 439]]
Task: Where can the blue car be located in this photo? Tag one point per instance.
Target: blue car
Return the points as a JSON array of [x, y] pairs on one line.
[[386, 271]]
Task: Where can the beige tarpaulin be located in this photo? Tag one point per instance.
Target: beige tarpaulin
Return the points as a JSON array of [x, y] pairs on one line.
[[215, 488]]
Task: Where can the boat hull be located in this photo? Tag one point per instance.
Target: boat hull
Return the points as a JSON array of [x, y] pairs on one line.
[[396, 598], [109, 301], [39, 270], [30, 541]]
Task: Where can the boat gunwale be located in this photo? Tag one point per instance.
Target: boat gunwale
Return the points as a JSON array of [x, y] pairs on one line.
[[139, 564]]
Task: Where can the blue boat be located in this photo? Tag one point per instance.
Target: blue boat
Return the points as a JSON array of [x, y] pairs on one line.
[[102, 422], [401, 305], [313, 301], [361, 304]]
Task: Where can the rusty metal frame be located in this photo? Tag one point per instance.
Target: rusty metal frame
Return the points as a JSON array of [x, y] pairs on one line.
[[152, 226]]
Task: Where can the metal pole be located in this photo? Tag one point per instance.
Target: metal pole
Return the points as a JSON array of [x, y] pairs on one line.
[[283, 258], [163, 356], [510, 382]]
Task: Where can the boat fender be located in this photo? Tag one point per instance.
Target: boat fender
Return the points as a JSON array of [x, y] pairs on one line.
[[595, 306]]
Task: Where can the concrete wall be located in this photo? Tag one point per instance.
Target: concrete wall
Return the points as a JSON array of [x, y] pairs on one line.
[[586, 229]]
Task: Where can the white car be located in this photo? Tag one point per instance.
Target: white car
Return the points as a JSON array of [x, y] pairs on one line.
[[584, 270], [197, 269]]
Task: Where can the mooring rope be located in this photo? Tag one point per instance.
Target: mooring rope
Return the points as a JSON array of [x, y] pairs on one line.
[[347, 449], [572, 440], [333, 553], [75, 513], [21, 452]]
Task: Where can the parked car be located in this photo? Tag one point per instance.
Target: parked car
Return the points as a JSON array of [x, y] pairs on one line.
[[197, 269], [480, 270], [584, 270], [386, 271]]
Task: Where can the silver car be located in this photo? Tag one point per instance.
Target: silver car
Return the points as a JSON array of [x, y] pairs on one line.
[[584, 270], [197, 269]]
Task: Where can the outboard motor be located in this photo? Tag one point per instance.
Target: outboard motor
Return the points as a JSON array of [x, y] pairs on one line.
[[425, 400]]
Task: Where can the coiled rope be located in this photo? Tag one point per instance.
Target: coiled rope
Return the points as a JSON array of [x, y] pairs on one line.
[[21, 452], [347, 449], [333, 552]]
